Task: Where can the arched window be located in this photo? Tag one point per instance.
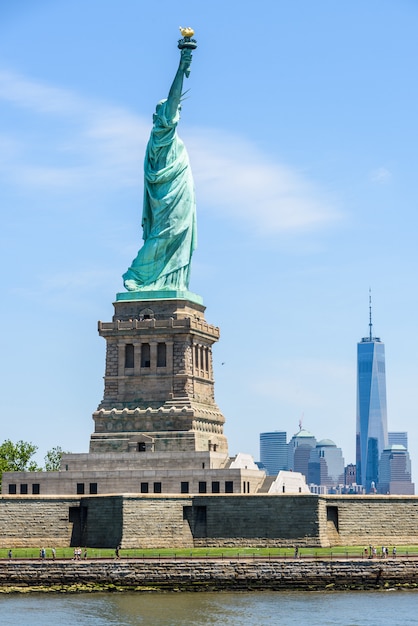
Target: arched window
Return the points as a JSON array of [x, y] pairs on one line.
[[129, 355], [161, 355], [145, 355]]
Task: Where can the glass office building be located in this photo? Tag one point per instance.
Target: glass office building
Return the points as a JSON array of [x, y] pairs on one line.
[[273, 452], [299, 450], [398, 439], [326, 464], [395, 471], [371, 435]]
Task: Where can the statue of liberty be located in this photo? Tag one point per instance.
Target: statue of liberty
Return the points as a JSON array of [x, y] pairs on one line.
[[169, 209]]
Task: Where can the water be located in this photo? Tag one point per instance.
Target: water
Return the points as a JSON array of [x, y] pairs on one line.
[[209, 609]]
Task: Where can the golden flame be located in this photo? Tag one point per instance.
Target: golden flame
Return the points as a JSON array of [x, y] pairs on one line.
[[187, 32]]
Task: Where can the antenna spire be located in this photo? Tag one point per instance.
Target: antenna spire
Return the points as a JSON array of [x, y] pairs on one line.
[[370, 316]]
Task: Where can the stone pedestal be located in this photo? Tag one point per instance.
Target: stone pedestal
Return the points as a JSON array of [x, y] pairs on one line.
[[159, 382]]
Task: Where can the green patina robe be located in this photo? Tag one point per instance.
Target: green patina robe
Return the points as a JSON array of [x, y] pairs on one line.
[[169, 212]]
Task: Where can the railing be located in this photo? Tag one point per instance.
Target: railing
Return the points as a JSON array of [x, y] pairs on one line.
[[33, 554], [135, 324]]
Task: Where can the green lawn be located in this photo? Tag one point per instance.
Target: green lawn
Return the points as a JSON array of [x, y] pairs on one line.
[[340, 551]]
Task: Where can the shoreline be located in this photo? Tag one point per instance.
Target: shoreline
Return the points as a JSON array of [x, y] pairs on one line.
[[200, 575]]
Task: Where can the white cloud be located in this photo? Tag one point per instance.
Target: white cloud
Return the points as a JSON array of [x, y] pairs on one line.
[[103, 146], [119, 140], [235, 179], [52, 177], [69, 288], [9, 147], [84, 142], [380, 175], [37, 96]]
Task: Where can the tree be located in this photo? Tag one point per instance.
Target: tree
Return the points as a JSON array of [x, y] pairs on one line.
[[53, 459], [17, 457]]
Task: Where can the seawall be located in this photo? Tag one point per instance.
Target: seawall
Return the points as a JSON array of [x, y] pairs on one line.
[[187, 521], [208, 574]]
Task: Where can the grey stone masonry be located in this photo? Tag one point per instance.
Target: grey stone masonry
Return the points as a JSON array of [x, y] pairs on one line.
[[33, 521], [159, 379], [211, 574], [136, 472], [156, 521], [371, 519]]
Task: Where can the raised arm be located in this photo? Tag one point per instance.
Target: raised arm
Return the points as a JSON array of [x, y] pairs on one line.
[[174, 95]]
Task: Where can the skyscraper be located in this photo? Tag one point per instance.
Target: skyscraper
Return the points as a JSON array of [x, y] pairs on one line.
[[273, 451], [299, 450], [326, 464], [398, 438], [371, 436], [395, 471]]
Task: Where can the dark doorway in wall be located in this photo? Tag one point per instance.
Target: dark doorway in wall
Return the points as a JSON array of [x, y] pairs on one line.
[[332, 518], [77, 516], [199, 521]]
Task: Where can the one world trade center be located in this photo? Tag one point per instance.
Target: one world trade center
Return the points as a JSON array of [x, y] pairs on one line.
[[371, 435]]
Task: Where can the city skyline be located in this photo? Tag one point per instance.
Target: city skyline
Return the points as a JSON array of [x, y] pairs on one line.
[[303, 151], [322, 463]]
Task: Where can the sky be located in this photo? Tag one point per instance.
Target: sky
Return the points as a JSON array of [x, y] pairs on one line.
[[301, 128]]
